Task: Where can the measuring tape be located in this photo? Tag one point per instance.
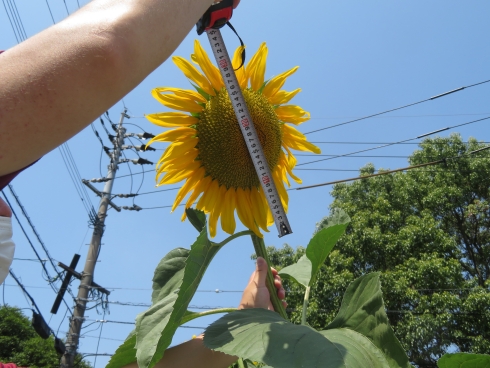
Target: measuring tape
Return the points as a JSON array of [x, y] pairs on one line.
[[214, 18]]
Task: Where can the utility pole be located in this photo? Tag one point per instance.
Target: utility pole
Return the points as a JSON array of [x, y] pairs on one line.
[[86, 282]]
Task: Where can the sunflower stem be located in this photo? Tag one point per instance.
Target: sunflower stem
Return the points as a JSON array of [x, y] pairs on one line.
[[188, 318], [234, 236], [305, 306], [260, 251]]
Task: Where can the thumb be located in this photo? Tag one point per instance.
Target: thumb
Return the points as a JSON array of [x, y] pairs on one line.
[[260, 272]]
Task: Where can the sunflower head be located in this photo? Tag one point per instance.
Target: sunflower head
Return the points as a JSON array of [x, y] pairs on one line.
[[207, 149]]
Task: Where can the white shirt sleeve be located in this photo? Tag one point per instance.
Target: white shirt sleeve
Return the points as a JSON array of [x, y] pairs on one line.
[[7, 247]]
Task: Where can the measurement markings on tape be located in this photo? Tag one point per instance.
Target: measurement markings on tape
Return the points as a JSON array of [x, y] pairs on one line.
[[249, 133]]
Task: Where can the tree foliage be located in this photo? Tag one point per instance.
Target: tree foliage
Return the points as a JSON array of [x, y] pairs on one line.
[[427, 231], [20, 344]]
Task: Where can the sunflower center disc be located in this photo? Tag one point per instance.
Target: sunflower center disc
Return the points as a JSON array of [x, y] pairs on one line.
[[222, 149]]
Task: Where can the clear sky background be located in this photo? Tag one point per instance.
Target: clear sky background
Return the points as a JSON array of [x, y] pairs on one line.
[[356, 58]]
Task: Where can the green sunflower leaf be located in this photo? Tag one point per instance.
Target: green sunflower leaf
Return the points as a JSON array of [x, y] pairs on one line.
[[167, 278], [300, 272], [197, 218], [199, 90], [357, 350], [262, 335], [324, 240], [363, 311], [125, 354], [261, 89], [329, 230], [464, 360], [176, 279]]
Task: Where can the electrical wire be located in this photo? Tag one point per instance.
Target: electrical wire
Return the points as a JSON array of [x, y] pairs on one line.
[[19, 20], [380, 117], [399, 108], [24, 212], [49, 278], [66, 7], [11, 23], [443, 160], [50, 12], [411, 143], [98, 342], [391, 144]]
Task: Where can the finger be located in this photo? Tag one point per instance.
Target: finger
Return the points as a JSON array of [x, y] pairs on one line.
[[281, 293], [270, 307], [4, 209], [274, 271], [277, 282], [260, 275], [284, 304]]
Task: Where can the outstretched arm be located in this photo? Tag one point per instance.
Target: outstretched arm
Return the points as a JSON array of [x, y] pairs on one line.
[[193, 353], [60, 80]]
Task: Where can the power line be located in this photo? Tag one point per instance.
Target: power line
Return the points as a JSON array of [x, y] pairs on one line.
[[43, 265], [10, 20], [24, 290], [50, 12], [24, 212], [391, 144], [411, 143], [96, 337], [132, 323], [381, 117], [444, 160], [399, 108], [362, 156]]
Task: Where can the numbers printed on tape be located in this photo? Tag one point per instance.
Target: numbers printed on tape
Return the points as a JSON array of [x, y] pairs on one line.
[[249, 132]]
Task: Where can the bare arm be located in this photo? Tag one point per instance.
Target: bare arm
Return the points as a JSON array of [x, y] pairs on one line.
[[193, 353], [58, 81]]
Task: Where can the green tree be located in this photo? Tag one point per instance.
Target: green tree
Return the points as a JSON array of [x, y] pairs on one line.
[[20, 344], [427, 231]]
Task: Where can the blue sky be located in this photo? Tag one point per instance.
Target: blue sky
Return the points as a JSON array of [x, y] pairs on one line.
[[356, 58]]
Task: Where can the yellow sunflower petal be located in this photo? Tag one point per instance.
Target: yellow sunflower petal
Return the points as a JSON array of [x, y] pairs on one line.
[[291, 163], [216, 210], [201, 58], [181, 93], [270, 218], [283, 97], [228, 223], [177, 102], [178, 149], [255, 70], [276, 174], [276, 83], [292, 114], [244, 210], [180, 161], [198, 189], [171, 119], [209, 198], [190, 183], [178, 164], [282, 164], [173, 135], [292, 138], [240, 73], [174, 176], [193, 74], [260, 205]]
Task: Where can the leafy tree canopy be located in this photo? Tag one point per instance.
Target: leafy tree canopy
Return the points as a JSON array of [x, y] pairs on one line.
[[20, 344], [427, 231]]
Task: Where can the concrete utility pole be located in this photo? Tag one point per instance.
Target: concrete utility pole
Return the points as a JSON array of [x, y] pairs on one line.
[[72, 339]]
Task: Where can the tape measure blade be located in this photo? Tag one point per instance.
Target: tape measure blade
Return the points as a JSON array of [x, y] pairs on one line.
[[249, 133]]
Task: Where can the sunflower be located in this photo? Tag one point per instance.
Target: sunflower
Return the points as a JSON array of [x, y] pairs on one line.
[[207, 148]]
